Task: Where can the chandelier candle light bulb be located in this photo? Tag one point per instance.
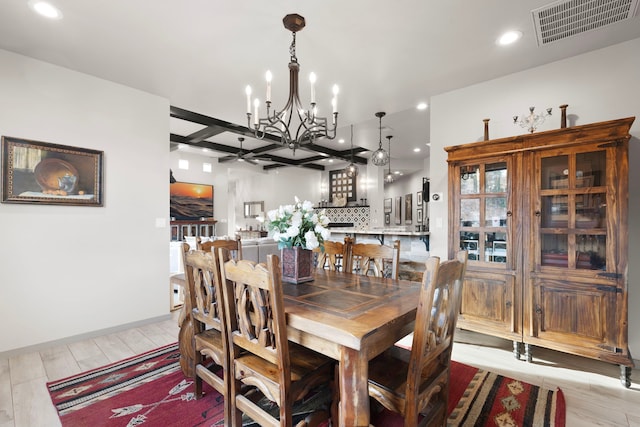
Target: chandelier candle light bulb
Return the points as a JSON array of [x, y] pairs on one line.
[[247, 90], [312, 80], [269, 77]]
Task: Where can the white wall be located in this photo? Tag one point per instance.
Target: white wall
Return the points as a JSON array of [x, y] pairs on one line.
[[68, 270], [598, 86]]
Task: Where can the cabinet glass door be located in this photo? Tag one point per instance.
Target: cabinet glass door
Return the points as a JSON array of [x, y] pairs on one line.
[[573, 210], [483, 211]]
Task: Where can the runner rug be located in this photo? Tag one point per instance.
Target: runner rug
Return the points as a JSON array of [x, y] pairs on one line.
[[150, 390]]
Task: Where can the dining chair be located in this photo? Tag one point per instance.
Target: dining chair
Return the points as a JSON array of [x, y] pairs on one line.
[[334, 255], [234, 245], [419, 380], [283, 372], [374, 259], [209, 343]]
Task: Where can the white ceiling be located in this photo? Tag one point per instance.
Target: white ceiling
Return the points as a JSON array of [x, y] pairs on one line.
[[384, 55]]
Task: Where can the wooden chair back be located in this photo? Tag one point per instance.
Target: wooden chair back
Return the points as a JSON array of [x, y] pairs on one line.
[[334, 255], [377, 260], [235, 246], [426, 388], [262, 355], [203, 333]]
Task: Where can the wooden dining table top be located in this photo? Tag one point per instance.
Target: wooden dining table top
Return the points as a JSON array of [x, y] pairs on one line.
[[351, 310]]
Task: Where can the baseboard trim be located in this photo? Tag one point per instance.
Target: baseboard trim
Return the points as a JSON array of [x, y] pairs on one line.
[[74, 338]]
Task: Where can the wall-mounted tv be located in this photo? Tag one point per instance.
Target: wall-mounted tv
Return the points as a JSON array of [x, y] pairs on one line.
[[191, 201]]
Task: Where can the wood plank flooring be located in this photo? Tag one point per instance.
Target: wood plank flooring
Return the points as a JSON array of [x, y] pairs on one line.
[[592, 389]]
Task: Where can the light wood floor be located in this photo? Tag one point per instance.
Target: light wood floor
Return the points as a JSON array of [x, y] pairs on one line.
[[592, 390]]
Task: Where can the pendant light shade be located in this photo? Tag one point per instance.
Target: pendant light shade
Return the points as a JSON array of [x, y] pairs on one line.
[[380, 157], [352, 169]]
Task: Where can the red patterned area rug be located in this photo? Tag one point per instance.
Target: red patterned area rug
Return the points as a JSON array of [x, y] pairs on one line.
[[150, 390]]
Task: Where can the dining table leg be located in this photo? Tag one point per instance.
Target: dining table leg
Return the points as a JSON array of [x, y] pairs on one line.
[[354, 389]]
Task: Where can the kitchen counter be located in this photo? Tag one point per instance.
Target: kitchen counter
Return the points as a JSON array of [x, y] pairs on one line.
[[381, 233]]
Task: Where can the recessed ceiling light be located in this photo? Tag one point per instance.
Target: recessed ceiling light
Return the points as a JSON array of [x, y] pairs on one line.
[[422, 106], [341, 140], [416, 150], [509, 37], [45, 9]]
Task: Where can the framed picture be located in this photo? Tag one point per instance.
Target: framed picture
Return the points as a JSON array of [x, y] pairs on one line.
[[52, 174], [419, 216], [387, 218], [408, 208], [190, 201], [397, 216], [387, 205], [342, 186], [419, 199]]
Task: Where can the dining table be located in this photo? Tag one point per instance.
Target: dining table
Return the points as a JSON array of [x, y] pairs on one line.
[[351, 318]]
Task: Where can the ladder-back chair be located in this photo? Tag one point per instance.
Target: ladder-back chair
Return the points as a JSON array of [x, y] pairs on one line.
[[373, 259], [334, 255]]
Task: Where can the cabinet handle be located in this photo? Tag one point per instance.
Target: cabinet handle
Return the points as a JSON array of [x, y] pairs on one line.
[[538, 213], [538, 310], [508, 304], [509, 213]]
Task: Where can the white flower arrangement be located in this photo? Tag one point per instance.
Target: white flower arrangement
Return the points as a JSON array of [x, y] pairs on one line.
[[298, 225]]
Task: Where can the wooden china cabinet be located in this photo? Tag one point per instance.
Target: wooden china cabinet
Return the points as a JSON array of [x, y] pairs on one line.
[[544, 218]]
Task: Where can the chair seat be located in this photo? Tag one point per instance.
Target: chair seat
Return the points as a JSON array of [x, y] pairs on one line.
[[305, 364], [209, 342], [388, 382]]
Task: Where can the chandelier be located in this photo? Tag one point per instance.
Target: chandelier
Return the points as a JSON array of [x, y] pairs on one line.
[[352, 169], [389, 177], [308, 127], [380, 157], [532, 120]]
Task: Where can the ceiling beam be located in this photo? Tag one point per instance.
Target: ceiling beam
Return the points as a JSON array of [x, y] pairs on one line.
[[216, 126]]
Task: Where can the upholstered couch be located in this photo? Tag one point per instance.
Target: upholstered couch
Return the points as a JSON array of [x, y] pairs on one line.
[[252, 249], [257, 249]]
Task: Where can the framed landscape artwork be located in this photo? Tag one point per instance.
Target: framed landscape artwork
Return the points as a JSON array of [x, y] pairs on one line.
[[52, 174], [188, 201]]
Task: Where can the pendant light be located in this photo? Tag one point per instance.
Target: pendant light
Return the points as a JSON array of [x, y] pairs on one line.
[[389, 177], [352, 169], [380, 157]]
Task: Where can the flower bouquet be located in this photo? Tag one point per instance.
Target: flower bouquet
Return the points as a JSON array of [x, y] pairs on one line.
[[298, 229]]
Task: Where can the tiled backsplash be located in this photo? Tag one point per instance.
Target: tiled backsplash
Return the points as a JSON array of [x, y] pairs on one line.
[[358, 215]]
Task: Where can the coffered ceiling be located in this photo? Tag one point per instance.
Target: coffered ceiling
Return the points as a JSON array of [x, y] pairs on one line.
[[385, 56]]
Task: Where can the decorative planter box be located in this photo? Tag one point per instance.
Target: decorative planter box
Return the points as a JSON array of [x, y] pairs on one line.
[[297, 265]]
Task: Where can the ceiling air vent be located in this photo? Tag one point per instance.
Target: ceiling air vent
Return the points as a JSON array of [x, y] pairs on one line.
[[563, 19]]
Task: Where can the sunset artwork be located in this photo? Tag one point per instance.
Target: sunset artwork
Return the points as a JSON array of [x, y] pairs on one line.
[[191, 201]]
